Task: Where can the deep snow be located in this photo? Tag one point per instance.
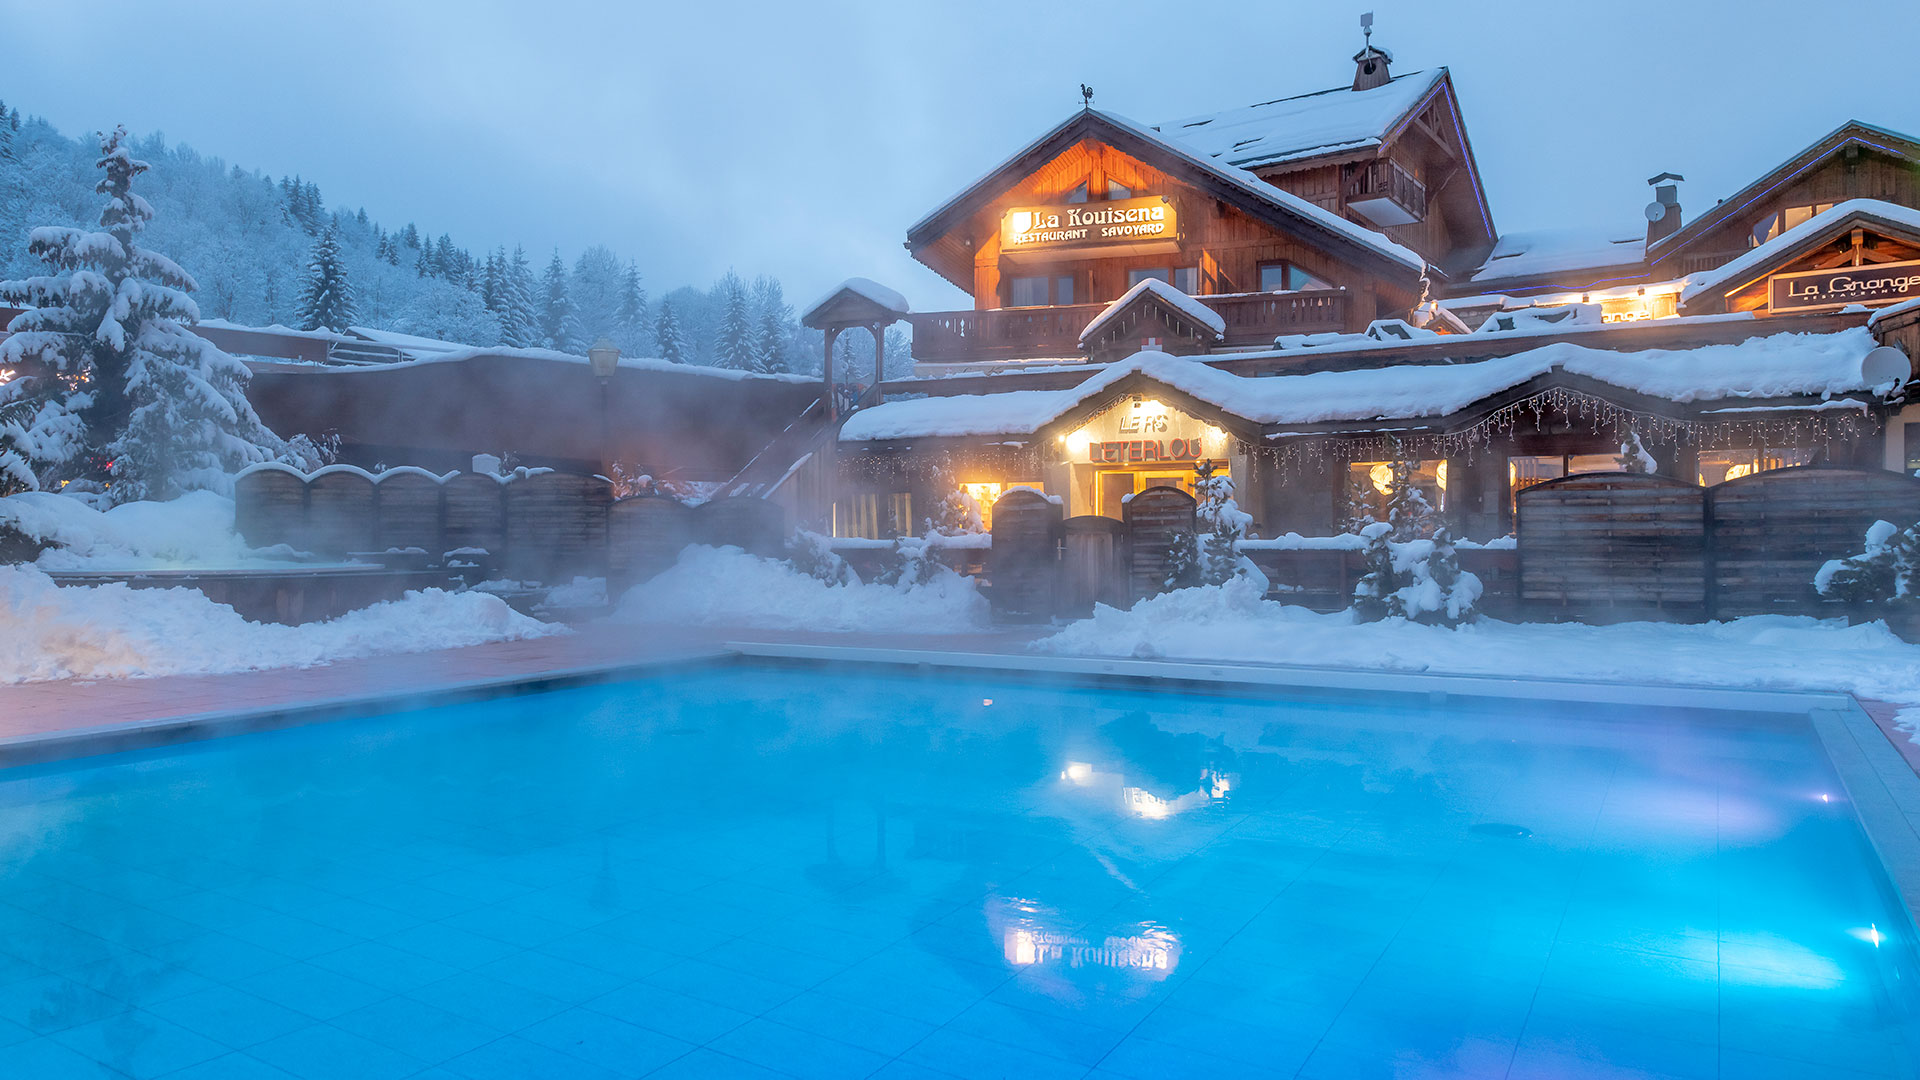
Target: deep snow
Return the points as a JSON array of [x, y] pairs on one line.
[[728, 587], [1232, 623], [110, 631], [194, 530]]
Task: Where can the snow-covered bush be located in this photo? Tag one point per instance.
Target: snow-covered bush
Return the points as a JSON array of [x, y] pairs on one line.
[[956, 514], [1221, 524], [1183, 563], [1408, 511], [1420, 580], [811, 554], [1887, 571], [1634, 457]]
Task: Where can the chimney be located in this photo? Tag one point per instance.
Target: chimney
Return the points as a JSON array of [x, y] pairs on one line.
[[1663, 213], [1370, 64]]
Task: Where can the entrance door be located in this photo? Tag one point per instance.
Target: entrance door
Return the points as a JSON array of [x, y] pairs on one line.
[[1112, 488]]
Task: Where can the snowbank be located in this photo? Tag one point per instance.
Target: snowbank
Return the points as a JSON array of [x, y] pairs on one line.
[[111, 631], [195, 530], [728, 587], [1233, 623]]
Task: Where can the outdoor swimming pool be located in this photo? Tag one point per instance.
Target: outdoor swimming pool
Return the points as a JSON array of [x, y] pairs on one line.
[[854, 872]]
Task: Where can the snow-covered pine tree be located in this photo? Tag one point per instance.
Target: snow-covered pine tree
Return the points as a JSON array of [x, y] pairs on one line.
[[1381, 580], [1408, 510], [1437, 592], [493, 292], [1183, 563], [1634, 457], [1357, 512], [771, 315], [957, 513], [1220, 522], [630, 330], [556, 309], [326, 301], [668, 338], [520, 316], [733, 344], [160, 409], [38, 429]]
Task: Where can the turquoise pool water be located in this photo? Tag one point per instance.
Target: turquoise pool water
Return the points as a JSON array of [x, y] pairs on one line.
[[836, 873]]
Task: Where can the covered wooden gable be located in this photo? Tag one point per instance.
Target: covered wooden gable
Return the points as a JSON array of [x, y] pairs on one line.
[[1860, 252], [1854, 161], [1222, 221]]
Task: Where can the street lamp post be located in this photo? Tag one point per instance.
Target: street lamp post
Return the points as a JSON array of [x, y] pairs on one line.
[[604, 358]]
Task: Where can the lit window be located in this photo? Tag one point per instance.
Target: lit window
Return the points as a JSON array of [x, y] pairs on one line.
[[1774, 224], [1719, 466]]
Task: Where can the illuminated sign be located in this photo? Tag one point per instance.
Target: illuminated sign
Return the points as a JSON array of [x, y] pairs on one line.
[[1883, 283], [1078, 225], [1141, 431]]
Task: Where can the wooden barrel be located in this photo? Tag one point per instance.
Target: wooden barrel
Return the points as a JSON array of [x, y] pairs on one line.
[[409, 512], [270, 507], [340, 511], [756, 525], [476, 514], [1154, 518], [557, 526]]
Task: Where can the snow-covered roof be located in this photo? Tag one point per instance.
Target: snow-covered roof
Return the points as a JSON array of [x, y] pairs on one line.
[[409, 343], [1544, 252], [1307, 125], [866, 288], [463, 353], [1780, 247], [1174, 298], [275, 329], [1890, 311], [1256, 189], [1783, 365]]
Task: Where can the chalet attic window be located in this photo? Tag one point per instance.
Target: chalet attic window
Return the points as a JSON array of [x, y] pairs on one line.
[[1773, 225], [1286, 277], [1034, 291], [1118, 191], [1078, 194]]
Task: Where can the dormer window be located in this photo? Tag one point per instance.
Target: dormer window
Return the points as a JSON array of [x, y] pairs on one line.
[[1775, 224]]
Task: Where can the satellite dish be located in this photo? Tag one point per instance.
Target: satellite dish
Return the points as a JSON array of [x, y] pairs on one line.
[[1656, 210], [1886, 367]]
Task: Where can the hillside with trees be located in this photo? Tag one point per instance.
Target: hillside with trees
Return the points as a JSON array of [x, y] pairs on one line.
[[267, 251]]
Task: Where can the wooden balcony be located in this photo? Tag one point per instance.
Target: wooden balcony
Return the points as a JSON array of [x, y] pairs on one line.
[[1042, 333], [1386, 194]]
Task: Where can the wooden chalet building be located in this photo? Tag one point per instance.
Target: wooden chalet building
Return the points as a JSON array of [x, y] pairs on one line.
[[1309, 288]]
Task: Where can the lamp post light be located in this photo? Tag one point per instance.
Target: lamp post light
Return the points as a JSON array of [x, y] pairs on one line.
[[604, 358]]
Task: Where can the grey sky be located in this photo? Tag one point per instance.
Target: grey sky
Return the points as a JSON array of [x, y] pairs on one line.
[[802, 139]]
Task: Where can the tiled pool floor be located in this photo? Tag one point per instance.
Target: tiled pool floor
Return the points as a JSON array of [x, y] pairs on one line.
[[749, 872]]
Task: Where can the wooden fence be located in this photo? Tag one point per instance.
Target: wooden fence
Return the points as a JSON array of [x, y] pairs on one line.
[[1769, 532], [536, 525], [1025, 562], [1155, 519], [1609, 546]]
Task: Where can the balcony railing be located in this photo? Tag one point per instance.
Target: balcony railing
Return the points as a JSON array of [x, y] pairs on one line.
[[1386, 194], [1041, 333]]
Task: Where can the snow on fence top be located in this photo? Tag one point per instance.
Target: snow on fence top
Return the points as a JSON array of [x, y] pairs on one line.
[[1872, 209], [1179, 301], [627, 363], [1890, 311], [398, 470], [1782, 365]]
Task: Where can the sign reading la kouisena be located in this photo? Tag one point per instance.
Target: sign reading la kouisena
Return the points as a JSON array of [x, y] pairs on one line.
[[1080, 225], [1870, 284]]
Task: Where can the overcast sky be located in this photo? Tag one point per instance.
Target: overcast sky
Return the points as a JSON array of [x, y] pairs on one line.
[[802, 139]]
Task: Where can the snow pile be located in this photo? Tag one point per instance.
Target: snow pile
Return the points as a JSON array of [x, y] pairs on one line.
[[728, 587], [1234, 623], [194, 530], [112, 631]]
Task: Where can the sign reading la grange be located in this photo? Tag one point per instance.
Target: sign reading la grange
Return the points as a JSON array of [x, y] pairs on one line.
[[1119, 221], [1871, 284]]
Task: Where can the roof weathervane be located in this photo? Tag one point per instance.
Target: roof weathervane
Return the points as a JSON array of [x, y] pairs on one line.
[[1086, 96], [1366, 27]]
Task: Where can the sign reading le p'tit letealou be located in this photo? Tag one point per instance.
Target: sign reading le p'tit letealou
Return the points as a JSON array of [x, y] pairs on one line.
[[1118, 221], [1870, 284]]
